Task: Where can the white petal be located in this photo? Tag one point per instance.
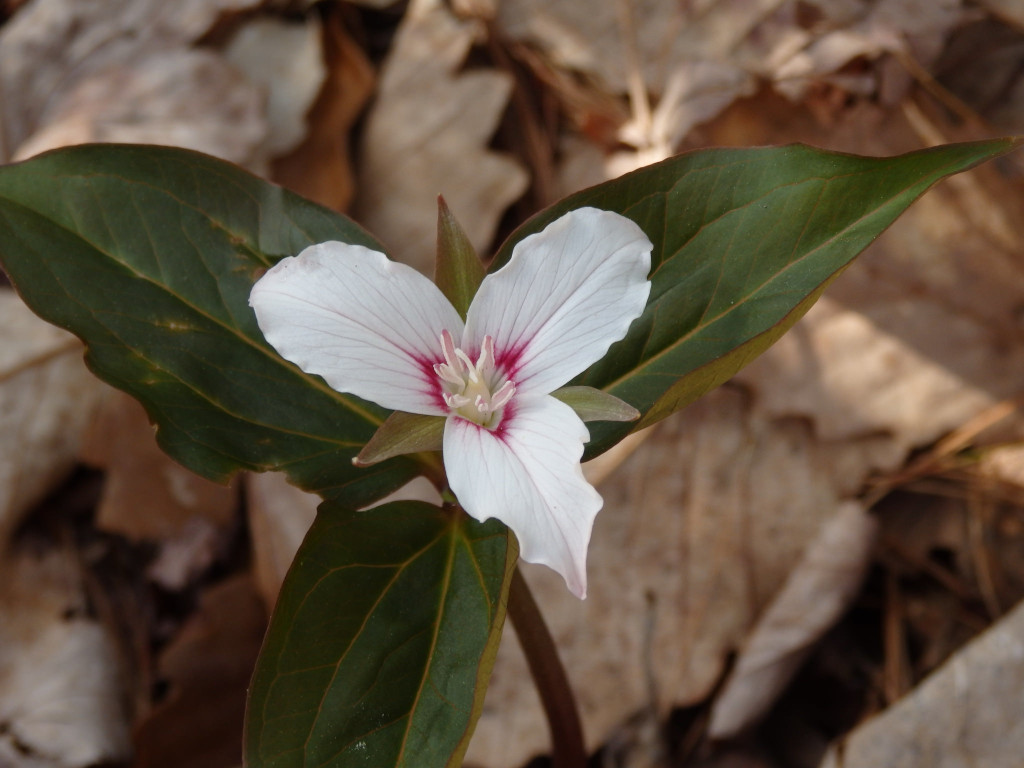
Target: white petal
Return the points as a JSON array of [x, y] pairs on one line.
[[527, 474], [369, 326], [566, 294]]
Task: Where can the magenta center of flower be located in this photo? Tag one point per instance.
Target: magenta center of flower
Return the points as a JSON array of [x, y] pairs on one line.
[[476, 391]]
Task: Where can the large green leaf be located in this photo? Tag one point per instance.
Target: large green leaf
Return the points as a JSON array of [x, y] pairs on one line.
[[380, 646], [148, 254], [745, 240]]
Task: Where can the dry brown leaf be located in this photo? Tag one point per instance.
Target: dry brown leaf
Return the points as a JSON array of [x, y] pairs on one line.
[[47, 399], [696, 92], [279, 516], [320, 168], [817, 593], [701, 526], [619, 41], [285, 58], [968, 713], [1010, 10], [148, 496], [207, 669], [184, 98], [427, 135], [1005, 463], [94, 70], [61, 702]]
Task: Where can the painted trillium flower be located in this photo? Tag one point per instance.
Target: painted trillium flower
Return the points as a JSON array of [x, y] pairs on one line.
[[384, 332]]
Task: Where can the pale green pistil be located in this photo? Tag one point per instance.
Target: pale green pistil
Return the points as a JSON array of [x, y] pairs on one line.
[[474, 391]]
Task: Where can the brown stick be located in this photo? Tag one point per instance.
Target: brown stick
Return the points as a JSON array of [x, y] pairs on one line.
[[568, 749]]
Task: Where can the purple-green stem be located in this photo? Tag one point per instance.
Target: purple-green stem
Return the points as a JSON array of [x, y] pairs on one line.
[[568, 749]]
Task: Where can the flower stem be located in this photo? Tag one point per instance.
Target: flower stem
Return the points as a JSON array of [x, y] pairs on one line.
[[568, 750]]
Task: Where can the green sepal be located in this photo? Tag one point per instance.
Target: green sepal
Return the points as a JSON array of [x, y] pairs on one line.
[[596, 405], [458, 271], [400, 434]]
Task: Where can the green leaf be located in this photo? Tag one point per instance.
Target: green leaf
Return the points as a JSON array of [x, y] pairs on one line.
[[148, 254], [459, 270], [745, 240], [380, 646]]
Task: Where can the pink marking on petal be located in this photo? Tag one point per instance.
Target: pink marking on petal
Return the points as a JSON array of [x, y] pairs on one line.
[[507, 415], [431, 381], [507, 360]]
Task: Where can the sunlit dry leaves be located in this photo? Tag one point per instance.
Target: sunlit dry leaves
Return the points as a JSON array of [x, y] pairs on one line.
[[73, 71], [695, 92], [427, 134], [969, 712], [605, 39], [286, 60], [47, 398], [320, 168], [190, 99], [206, 669], [817, 593], [679, 56], [707, 517], [61, 701]]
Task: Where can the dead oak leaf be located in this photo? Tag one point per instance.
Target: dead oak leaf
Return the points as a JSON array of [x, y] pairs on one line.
[[427, 134]]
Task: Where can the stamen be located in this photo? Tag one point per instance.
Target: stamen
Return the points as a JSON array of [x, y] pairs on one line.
[[486, 360], [468, 365], [450, 351], [500, 398], [467, 386]]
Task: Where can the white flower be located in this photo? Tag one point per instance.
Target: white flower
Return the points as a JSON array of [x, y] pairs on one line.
[[382, 331]]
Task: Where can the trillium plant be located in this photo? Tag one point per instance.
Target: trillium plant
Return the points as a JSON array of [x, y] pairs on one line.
[[484, 378], [265, 333]]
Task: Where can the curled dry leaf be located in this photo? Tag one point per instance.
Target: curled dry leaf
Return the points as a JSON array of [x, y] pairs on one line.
[[427, 134], [816, 594], [47, 399], [969, 712], [61, 705]]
